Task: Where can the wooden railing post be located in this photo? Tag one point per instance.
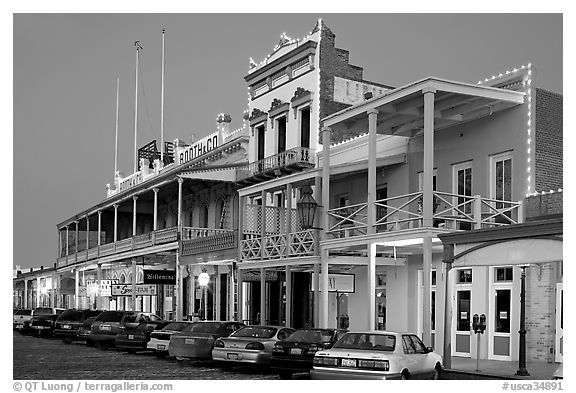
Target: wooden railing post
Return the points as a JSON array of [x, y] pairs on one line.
[[477, 204], [520, 212]]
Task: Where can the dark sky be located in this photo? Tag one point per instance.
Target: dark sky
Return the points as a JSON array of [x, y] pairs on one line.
[[64, 86]]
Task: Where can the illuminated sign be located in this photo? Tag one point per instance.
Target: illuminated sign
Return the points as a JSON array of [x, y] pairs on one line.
[[197, 149], [159, 276], [126, 289]]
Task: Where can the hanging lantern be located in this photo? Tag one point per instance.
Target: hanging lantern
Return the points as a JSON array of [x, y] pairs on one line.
[[203, 278], [306, 207]]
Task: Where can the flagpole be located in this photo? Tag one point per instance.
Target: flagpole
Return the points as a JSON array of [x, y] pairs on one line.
[[162, 105], [138, 47], [116, 137]]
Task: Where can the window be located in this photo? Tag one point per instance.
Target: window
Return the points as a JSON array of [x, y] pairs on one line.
[[203, 216], [501, 173], [305, 127], [463, 310], [260, 142], [462, 186], [504, 274], [464, 276], [281, 127], [220, 214], [502, 316]]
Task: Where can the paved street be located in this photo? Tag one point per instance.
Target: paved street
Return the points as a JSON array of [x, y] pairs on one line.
[[40, 358]]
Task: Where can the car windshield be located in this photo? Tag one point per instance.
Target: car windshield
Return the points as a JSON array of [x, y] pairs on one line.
[[23, 312], [71, 315], [88, 322], [204, 327], [176, 326], [110, 316], [255, 331], [367, 342], [311, 336], [43, 311], [146, 326]]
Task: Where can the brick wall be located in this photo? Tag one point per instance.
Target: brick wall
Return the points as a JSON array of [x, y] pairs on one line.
[[540, 312], [549, 140], [543, 206], [333, 62]]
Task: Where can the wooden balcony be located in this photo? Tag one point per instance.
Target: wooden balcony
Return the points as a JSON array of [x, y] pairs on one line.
[[285, 163], [452, 211], [279, 245], [194, 240]]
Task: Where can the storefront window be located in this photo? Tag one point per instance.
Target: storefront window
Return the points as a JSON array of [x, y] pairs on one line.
[[504, 274], [463, 309], [465, 276], [503, 310]]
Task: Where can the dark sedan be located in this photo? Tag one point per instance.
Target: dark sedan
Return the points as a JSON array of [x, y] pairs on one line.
[[67, 324], [43, 320], [132, 340], [197, 340], [84, 331], [296, 353]]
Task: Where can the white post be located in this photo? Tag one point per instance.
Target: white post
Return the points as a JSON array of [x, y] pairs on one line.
[[263, 226], [162, 104], [134, 199], [477, 206], [426, 308], [316, 280], [67, 241], [324, 294], [155, 225], [178, 291], [76, 242], [427, 211], [180, 181], [116, 134], [99, 280], [288, 295], [25, 293], [325, 179], [115, 222], [99, 227], [371, 286], [240, 297], [372, 127], [77, 289], [288, 217], [133, 284], [231, 293]]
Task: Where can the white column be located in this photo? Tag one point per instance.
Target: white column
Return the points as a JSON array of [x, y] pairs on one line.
[[240, 297], [231, 294], [25, 293], [155, 225], [53, 291], [263, 226], [99, 227], [180, 181], [325, 179], [133, 284], [288, 295], [316, 280], [87, 235], [288, 217], [98, 280], [115, 222], [427, 189], [77, 289], [262, 296], [324, 294], [426, 308], [178, 290], [134, 199], [67, 241], [372, 126], [37, 291], [76, 242], [371, 286]]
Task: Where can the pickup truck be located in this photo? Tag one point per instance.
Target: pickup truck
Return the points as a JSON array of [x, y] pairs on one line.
[[43, 320], [22, 319]]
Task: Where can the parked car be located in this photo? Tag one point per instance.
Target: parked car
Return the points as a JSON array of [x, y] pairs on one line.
[[84, 331], [43, 320], [109, 323], [67, 324], [377, 355], [296, 353], [559, 373], [131, 340], [160, 338], [22, 319], [197, 340], [250, 344]]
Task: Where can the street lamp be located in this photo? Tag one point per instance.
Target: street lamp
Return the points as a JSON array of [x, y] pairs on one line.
[[522, 332], [203, 280], [306, 207]]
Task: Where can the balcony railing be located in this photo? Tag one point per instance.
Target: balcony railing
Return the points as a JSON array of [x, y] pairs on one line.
[[209, 241], [288, 161], [193, 233], [277, 246], [453, 211]]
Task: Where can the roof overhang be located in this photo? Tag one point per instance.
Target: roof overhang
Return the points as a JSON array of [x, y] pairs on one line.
[[401, 111], [219, 175]]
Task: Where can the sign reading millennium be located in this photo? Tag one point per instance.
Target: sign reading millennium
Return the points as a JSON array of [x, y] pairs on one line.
[[160, 277]]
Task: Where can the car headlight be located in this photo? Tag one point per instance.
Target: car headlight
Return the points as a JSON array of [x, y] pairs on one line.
[[256, 346]]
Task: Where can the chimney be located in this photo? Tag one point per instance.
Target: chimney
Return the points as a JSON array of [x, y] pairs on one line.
[[223, 121]]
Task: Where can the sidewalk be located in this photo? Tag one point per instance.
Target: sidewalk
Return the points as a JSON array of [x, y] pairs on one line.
[[495, 369]]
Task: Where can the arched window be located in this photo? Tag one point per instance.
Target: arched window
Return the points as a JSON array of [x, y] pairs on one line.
[[188, 218]]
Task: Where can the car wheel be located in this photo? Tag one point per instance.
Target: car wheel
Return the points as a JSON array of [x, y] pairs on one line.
[[405, 375], [285, 375], [160, 354], [437, 372], [101, 345], [67, 340]]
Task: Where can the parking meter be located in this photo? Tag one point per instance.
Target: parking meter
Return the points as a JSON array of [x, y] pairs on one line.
[[482, 323], [475, 323]]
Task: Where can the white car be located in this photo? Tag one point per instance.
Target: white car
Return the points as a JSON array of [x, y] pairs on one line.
[[377, 355]]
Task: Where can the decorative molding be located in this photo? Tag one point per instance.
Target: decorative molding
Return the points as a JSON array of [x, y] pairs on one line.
[[301, 97], [257, 116], [278, 108]]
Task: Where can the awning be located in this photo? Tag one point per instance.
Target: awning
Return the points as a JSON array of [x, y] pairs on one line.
[[226, 175]]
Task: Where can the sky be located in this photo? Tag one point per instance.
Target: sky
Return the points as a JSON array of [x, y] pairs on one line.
[[65, 68]]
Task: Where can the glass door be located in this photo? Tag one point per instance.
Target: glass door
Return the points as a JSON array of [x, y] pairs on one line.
[[461, 319], [559, 322]]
